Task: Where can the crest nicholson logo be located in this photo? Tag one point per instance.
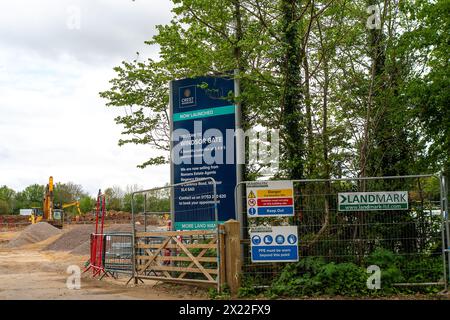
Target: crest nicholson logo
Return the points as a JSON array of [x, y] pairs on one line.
[[188, 96]]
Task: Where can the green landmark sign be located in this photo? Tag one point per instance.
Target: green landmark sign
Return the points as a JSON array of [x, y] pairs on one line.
[[366, 201]]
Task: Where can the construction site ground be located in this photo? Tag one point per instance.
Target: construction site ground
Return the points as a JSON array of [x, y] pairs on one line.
[[30, 272], [33, 271]]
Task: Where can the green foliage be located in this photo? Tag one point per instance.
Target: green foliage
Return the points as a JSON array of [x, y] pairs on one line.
[[383, 258], [4, 207], [87, 204], [390, 265], [343, 279], [311, 276], [248, 287], [427, 91], [114, 198], [7, 196], [379, 101], [68, 192], [223, 295], [33, 196], [423, 269], [64, 193]]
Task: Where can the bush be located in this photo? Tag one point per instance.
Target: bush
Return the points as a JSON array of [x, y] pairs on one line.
[[343, 279], [390, 265], [248, 287], [297, 279], [312, 276], [424, 269]]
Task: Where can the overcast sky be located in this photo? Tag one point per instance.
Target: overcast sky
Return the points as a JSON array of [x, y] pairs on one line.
[[53, 63]]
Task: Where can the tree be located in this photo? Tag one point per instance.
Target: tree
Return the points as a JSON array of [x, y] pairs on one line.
[[349, 99], [427, 91], [6, 200], [87, 204], [33, 195], [4, 207], [114, 198], [138, 205], [213, 37], [67, 192]]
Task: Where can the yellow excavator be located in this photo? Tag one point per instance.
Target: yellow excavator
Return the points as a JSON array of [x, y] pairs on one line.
[[51, 213]]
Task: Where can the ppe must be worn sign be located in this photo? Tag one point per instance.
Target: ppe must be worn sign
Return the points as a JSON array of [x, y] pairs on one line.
[[274, 244]]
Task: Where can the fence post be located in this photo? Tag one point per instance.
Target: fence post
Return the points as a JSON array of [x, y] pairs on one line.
[[221, 253], [233, 261]]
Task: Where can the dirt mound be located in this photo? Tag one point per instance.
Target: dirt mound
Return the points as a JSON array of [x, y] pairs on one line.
[[83, 249], [72, 238], [34, 233], [126, 227], [77, 239]]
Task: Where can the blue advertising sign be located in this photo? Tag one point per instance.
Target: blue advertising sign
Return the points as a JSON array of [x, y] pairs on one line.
[[274, 244], [201, 114]]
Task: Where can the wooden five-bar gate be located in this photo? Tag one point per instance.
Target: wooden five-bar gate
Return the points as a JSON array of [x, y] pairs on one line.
[[199, 257], [183, 256]]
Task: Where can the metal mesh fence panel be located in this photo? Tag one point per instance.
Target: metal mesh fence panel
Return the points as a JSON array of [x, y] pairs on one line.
[[118, 252], [161, 254], [413, 236], [193, 205]]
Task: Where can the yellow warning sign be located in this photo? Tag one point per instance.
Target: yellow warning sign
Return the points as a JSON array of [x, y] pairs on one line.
[[251, 195], [273, 193]]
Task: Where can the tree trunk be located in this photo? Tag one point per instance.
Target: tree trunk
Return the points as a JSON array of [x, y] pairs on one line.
[[292, 96]]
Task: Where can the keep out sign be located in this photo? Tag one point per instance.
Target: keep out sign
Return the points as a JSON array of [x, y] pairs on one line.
[[270, 199]]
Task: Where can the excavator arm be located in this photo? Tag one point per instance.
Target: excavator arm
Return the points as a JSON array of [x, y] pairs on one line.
[[71, 204]]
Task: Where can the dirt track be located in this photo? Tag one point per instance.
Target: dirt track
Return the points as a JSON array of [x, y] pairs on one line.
[[30, 273]]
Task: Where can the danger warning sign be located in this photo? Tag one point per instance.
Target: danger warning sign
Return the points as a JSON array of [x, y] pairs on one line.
[[270, 198]]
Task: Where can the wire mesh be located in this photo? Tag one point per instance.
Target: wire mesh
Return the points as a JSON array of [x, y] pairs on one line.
[[414, 236], [193, 206], [189, 205], [118, 252]]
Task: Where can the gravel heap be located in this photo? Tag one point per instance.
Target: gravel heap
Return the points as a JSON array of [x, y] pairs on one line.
[[125, 228], [72, 238], [77, 239], [84, 248], [34, 233]]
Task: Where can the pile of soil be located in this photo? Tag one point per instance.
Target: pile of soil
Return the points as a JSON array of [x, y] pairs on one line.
[[72, 238], [77, 239], [34, 233], [84, 248], [126, 227]]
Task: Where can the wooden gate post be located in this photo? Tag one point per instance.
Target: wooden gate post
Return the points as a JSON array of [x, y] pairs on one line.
[[222, 266], [233, 261]]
